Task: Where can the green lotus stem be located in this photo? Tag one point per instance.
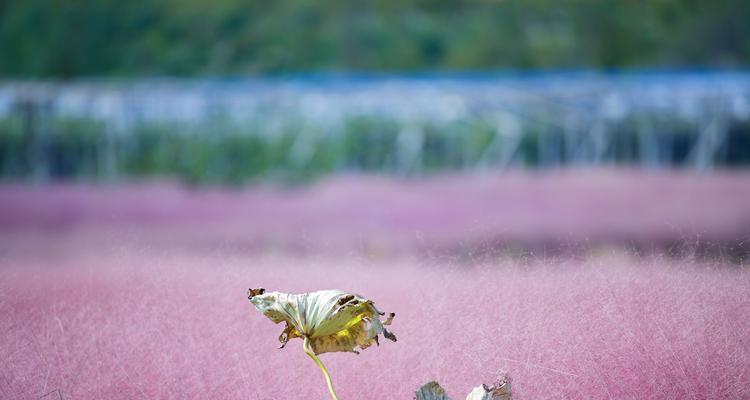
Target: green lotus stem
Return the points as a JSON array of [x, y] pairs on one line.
[[315, 358]]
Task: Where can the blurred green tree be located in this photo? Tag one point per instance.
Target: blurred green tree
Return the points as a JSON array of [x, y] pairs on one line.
[[56, 38]]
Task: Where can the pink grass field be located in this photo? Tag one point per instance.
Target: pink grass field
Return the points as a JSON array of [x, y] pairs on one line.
[[140, 291]]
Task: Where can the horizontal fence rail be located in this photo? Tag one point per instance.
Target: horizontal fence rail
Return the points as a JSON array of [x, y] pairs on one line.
[[295, 129]]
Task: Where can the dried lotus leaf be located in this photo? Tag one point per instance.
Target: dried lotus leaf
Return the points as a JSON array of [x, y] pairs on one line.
[[332, 320], [500, 390], [431, 391]]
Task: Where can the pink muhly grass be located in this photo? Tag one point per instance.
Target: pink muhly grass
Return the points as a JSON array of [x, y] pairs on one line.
[[554, 208], [152, 324], [130, 292]]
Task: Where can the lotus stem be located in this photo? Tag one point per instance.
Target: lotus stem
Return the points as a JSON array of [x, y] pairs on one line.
[[315, 358]]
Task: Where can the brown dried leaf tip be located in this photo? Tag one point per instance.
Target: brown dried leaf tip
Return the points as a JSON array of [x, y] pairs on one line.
[[254, 292]]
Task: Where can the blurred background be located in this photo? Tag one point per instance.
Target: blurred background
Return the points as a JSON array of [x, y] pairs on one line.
[[534, 100], [165, 140], [241, 92]]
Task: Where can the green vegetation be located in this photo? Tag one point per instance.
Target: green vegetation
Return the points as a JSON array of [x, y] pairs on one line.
[[56, 148], [61, 39]]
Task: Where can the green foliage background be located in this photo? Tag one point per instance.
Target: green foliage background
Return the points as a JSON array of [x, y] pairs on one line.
[[70, 38]]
